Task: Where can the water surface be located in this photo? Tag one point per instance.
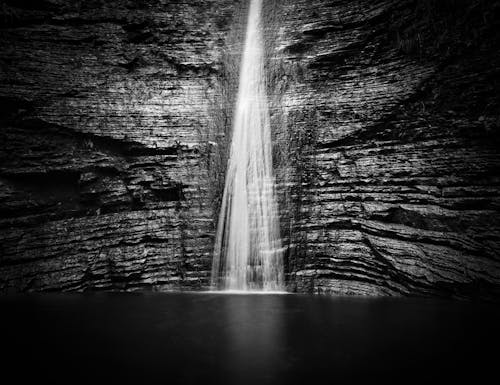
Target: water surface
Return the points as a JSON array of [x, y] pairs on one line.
[[206, 338]]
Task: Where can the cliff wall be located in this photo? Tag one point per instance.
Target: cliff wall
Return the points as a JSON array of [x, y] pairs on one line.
[[390, 111]]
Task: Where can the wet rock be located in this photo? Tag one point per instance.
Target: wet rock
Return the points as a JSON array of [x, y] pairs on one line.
[[101, 179], [399, 176]]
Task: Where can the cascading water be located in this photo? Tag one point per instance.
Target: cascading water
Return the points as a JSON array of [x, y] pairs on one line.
[[248, 253]]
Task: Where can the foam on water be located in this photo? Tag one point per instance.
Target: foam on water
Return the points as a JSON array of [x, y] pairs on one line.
[[244, 292]]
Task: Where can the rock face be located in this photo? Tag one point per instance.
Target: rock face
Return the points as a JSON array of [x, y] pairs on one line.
[[103, 106], [114, 126], [391, 113]]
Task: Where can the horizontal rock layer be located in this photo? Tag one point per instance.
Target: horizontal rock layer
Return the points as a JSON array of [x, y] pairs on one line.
[[104, 107], [393, 110], [114, 124]]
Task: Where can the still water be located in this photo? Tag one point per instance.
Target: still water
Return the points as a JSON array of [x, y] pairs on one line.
[[205, 338]]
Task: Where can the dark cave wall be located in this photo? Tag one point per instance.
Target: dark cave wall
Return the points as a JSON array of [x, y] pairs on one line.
[[391, 114], [102, 182], [114, 127]]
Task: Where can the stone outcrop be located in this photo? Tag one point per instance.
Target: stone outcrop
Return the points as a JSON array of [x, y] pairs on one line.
[[114, 126]]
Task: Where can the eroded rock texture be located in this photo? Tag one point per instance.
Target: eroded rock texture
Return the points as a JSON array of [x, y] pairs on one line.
[[386, 121], [103, 106], [391, 114]]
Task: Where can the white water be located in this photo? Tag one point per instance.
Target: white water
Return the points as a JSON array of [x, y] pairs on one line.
[[248, 253]]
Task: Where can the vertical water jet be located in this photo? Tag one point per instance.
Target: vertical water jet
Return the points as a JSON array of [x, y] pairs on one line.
[[248, 253]]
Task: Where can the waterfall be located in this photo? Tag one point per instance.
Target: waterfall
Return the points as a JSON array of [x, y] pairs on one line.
[[248, 253]]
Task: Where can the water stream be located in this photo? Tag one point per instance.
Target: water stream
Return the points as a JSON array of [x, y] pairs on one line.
[[248, 255]]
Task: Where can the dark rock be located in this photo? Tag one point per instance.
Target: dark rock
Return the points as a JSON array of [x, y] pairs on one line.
[[101, 182], [399, 182]]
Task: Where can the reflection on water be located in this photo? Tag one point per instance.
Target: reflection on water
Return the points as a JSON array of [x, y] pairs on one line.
[[254, 335], [244, 339]]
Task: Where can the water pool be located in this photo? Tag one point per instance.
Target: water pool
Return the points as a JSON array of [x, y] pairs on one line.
[[207, 338]]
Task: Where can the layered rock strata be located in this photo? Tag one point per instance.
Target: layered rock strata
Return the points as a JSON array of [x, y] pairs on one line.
[[388, 123], [104, 107]]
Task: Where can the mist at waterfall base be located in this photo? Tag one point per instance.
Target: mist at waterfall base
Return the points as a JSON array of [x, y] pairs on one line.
[[252, 339], [248, 253]]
